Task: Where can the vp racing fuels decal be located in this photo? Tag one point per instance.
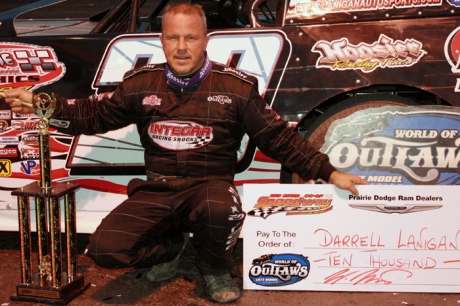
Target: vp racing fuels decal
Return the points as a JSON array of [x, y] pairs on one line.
[[279, 269]]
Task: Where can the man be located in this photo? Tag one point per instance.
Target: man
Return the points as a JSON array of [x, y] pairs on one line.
[[191, 139]]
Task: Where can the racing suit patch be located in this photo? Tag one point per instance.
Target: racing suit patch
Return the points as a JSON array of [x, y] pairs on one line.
[[151, 100], [180, 135]]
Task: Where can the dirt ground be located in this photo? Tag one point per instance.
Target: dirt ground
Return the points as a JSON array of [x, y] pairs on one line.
[[130, 287]]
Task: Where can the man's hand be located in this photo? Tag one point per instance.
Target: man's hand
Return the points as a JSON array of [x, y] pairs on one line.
[[19, 100], [346, 181]]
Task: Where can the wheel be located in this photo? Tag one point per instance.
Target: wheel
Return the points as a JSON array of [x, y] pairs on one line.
[[317, 131]]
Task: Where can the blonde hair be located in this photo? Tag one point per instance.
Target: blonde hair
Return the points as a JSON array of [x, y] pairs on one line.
[[187, 9]]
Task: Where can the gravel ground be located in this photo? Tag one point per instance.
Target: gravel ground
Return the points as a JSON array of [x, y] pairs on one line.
[[130, 287]]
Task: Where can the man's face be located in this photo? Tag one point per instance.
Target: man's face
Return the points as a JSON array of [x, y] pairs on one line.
[[184, 41]]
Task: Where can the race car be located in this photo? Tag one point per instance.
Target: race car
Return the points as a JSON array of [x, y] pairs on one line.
[[317, 63]]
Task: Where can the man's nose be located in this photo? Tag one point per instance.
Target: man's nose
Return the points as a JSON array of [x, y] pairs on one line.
[[181, 44]]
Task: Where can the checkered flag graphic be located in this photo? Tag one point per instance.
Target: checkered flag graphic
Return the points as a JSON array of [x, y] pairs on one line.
[[34, 61], [265, 212], [200, 141]]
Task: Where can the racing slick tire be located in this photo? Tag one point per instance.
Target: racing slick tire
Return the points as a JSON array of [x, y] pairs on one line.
[[316, 133]]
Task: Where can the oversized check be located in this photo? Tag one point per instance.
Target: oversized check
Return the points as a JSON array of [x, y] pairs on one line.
[[318, 237]]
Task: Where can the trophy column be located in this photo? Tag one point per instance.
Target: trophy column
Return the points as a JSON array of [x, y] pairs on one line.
[[54, 279]]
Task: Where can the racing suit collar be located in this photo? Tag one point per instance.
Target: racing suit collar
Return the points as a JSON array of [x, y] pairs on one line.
[[189, 81]]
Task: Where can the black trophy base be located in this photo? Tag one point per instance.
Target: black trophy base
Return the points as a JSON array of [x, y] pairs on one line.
[[54, 296]]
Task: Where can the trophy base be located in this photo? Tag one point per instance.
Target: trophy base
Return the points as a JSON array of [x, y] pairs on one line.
[[55, 296]]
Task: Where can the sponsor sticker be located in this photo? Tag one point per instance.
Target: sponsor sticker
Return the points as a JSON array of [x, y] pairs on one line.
[[31, 124], [5, 167], [5, 114], [307, 8], [29, 66], [3, 125], [9, 140], [10, 152], [30, 167], [452, 51], [340, 54], [398, 145]]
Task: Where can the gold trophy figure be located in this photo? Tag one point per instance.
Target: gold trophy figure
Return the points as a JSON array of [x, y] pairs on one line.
[[56, 280], [44, 106]]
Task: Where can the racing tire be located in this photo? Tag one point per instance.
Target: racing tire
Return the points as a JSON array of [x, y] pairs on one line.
[[316, 133]]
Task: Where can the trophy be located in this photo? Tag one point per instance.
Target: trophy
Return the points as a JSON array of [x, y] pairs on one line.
[[54, 279]]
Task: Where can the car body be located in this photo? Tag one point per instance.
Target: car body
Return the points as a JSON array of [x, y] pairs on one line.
[[316, 61]]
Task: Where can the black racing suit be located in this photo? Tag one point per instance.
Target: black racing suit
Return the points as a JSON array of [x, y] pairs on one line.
[[191, 137]]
